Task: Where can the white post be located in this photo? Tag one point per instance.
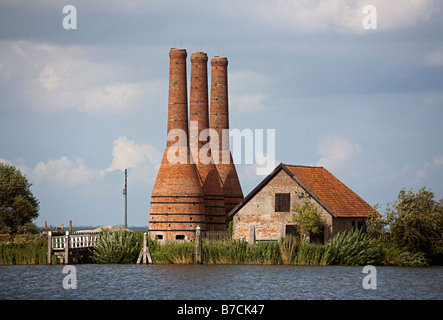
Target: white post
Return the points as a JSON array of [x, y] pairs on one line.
[[66, 248], [49, 247]]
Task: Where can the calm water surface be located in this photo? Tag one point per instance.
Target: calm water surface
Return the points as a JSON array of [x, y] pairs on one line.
[[218, 282]]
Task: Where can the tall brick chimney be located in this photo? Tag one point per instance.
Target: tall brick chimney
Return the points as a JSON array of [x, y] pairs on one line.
[[219, 120], [199, 121], [177, 204]]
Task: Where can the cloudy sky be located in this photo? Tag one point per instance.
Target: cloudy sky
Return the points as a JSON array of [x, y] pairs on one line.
[[79, 106]]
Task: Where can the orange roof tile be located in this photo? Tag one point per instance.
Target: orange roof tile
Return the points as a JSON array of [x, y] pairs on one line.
[[337, 197]]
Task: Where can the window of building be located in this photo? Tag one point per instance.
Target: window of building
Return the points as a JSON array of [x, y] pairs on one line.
[[159, 237], [180, 237], [358, 224], [282, 202]]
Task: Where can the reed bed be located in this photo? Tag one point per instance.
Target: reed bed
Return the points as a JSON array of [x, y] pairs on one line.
[[239, 252], [24, 253], [346, 248]]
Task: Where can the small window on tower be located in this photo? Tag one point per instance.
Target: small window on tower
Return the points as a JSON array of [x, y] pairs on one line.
[[282, 202]]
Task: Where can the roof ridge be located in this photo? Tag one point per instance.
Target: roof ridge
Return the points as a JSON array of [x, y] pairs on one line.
[[302, 166]]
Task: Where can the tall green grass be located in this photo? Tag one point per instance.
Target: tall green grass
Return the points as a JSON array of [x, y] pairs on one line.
[[172, 252], [346, 248], [239, 252], [24, 253]]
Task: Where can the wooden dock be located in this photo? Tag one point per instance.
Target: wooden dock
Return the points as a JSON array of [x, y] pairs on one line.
[[69, 247]]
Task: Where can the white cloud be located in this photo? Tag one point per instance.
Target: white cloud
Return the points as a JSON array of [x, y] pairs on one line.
[[48, 79], [342, 15], [62, 171], [59, 78], [422, 173], [336, 152], [248, 90], [248, 102], [430, 169], [143, 158]]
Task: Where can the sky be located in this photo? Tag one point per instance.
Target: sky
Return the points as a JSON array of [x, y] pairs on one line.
[[78, 106]]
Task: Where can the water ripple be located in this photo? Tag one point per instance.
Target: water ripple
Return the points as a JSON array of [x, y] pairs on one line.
[[212, 282]]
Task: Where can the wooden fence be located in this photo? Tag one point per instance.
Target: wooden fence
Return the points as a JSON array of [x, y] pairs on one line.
[[217, 235], [64, 246]]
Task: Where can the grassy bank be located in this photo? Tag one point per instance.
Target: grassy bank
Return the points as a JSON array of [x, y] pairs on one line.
[[350, 249], [24, 253]]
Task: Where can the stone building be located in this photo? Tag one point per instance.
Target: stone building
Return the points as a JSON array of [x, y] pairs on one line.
[[265, 214]]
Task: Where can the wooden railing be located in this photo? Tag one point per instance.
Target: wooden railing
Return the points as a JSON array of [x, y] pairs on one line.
[[217, 235], [76, 241]]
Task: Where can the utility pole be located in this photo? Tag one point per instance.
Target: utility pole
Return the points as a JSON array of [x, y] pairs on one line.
[[125, 192]]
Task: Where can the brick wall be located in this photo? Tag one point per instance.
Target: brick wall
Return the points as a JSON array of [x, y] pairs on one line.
[[260, 210]]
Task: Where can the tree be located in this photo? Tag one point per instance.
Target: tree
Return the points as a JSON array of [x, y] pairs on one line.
[[375, 223], [18, 206], [307, 218], [416, 220]]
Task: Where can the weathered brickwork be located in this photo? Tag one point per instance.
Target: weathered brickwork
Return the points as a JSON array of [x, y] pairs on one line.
[[258, 209], [198, 121], [191, 194], [219, 120], [177, 202]]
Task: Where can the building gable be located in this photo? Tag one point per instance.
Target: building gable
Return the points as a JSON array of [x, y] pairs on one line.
[[329, 192]]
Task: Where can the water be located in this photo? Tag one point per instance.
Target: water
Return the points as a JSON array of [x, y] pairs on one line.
[[222, 282]]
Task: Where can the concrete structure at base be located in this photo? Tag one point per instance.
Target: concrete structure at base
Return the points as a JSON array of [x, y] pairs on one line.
[[266, 213]]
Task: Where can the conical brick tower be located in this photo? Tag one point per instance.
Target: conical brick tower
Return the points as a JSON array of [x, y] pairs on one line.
[[219, 122], [198, 122], [177, 204]]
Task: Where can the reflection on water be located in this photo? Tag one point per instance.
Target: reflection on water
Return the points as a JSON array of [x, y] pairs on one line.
[[229, 282]]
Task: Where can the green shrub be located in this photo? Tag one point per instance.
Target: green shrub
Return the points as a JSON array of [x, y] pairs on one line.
[[351, 248], [117, 247], [395, 255]]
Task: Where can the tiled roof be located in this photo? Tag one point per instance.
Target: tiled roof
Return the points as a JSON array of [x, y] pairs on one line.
[[337, 198]]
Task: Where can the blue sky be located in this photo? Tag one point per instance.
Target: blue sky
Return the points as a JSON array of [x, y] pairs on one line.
[[77, 107]]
